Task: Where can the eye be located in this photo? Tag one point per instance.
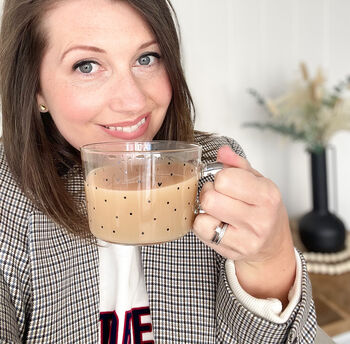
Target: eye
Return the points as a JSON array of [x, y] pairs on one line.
[[147, 59], [86, 67]]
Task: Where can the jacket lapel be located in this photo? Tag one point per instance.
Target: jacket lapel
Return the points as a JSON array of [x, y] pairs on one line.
[[65, 284]]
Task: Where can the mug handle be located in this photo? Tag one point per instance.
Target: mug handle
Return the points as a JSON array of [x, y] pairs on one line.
[[206, 170], [211, 169]]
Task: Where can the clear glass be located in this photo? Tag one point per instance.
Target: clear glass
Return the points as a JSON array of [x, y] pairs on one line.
[[142, 193]]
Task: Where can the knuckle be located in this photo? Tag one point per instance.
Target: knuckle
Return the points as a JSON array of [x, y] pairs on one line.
[[251, 248], [254, 246], [272, 195], [198, 222], [261, 226], [264, 229], [207, 200], [221, 180]]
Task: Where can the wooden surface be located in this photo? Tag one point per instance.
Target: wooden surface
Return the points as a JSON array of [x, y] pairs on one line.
[[331, 294], [332, 301]]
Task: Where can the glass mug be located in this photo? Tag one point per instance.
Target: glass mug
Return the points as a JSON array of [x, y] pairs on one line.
[[142, 193]]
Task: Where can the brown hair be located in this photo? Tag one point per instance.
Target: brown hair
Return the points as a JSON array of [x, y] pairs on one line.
[[36, 152]]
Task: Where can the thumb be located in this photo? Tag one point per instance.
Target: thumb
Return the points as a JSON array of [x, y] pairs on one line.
[[229, 158]]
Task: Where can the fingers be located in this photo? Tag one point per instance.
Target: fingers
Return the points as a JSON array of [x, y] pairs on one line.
[[245, 186], [223, 207], [257, 216], [228, 157], [250, 204], [204, 228], [235, 243], [240, 184]]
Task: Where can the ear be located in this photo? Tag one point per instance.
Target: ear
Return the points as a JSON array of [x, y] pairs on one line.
[[42, 105], [40, 98]]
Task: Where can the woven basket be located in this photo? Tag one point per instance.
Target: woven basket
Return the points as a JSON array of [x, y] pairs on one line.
[[324, 263]]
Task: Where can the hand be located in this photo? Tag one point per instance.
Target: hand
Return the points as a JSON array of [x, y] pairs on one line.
[[258, 237]]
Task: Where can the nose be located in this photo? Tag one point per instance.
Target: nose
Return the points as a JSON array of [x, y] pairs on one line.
[[127, 95]]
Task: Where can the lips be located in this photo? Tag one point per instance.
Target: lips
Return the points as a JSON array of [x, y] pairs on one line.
[[128, 130]]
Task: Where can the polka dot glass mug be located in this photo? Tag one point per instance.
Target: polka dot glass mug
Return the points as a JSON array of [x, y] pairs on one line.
[[142, 193]]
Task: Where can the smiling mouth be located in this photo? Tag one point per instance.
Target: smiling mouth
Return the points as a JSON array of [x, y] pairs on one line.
[[127, 129]]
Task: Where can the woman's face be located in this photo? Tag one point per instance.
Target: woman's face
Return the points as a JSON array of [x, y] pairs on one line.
[[102, 77]]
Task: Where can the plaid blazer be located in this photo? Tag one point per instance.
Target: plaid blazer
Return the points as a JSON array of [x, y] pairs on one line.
[[49, 282]]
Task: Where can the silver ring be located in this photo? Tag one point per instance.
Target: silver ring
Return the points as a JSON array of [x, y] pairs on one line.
[[219, 233]]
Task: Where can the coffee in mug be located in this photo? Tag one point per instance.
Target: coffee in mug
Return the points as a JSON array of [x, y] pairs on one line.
[[141, 193]]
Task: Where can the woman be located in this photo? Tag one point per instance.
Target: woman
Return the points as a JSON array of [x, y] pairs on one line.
[[81, 71]]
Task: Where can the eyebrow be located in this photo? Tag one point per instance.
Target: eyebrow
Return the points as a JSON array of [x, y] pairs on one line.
[[99, 50], [83, 47]]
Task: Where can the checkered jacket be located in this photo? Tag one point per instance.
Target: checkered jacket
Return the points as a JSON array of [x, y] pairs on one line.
[[49, 282]]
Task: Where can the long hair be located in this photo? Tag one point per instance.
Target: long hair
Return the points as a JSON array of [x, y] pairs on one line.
[[37, 154]]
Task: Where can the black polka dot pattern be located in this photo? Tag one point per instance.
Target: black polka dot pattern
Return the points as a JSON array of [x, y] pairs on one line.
[[150, 214]]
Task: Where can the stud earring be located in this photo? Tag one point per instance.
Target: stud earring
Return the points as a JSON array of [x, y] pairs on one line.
[[43, 108]]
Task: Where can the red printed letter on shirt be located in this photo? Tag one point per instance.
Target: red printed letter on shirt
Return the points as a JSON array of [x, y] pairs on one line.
[[138, 327], [109, 327]]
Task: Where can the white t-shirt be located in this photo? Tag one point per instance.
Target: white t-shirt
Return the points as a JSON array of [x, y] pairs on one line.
[[124, 305]]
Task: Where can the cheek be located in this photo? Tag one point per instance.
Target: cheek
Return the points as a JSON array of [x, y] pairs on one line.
[[165, 92], [72, 105], [157, 88]]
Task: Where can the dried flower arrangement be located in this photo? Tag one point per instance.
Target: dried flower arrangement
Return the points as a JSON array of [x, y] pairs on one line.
[[309, 111]]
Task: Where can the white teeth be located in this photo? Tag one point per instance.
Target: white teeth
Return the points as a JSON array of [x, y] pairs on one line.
[[128, 129]]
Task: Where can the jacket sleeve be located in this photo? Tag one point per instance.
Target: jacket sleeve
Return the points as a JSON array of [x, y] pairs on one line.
[[245, 327], [236, 324], [9, 332]]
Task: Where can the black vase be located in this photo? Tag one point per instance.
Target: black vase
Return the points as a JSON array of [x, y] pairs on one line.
[[320, 230]]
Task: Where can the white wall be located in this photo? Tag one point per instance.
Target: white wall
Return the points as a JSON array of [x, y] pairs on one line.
[[232, 45]]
